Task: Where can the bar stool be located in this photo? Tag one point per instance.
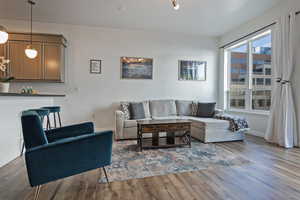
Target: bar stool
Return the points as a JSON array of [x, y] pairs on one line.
[[42, 113], [55, 110]]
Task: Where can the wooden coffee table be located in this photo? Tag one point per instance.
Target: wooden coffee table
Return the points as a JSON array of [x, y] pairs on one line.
[[178, 133]]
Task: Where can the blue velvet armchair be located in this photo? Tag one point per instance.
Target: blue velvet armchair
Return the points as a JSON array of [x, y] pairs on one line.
[[62, 152]]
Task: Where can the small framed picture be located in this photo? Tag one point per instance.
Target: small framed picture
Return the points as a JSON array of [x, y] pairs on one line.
[[192, 70], [95, 66]]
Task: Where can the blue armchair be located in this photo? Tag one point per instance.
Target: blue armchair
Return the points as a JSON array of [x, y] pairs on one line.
[[62, 152]]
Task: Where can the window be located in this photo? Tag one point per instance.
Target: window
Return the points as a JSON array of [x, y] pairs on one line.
[[249, 73]]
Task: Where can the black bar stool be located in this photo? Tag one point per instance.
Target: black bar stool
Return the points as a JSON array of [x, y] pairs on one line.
[[54, 110], [42, 113]]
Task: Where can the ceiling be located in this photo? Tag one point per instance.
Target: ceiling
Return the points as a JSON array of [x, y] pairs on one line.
[[197, 17]]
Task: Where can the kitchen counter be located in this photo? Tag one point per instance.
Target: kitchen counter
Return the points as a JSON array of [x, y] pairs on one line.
[[31, 95], [11, 107]]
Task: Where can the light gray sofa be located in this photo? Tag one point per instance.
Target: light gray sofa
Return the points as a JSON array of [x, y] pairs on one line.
[[204, 129]]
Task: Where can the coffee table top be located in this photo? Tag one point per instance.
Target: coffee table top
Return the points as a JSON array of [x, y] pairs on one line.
[[164, 121]]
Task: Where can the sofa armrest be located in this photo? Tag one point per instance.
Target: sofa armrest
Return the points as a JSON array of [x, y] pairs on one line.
[[120, 118], [68, 157], [219, 111], [69, 131]]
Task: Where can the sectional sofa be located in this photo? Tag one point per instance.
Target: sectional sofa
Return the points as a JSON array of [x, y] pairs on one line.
[[204, 129]]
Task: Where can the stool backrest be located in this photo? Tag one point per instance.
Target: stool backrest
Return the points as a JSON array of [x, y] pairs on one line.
[[33, 132]]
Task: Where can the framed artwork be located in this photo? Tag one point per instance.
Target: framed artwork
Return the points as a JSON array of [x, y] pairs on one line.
[[192, 70], [95, 66], [136, 68]]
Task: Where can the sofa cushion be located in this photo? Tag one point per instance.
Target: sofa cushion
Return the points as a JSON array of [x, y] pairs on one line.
[[184, 108], [147, 109], [206, 109], [137, 111], [162, 108], [201, 122], [167, 118], [124, 107], [194, 108], [132, 123]]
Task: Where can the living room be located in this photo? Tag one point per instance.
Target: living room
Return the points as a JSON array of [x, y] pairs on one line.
[[223, 59]]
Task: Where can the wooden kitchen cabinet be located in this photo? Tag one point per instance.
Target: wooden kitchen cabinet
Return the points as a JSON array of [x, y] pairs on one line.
[[48, 66], [53, 61], [21, 67], [2, 54]]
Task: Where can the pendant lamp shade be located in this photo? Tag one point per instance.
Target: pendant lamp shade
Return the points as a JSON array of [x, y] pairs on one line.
[[3, 35], [31, 52]]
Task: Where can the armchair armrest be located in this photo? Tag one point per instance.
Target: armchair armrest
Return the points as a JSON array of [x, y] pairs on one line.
[[69, 131], [68, 157], [120, 118]]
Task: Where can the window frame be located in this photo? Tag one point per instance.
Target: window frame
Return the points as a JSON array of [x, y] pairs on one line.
[[249, 82]]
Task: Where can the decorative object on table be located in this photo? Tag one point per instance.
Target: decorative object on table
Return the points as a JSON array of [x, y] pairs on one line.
[[192, 70], [95, 66], [4, 82], [128, 164], [62, 152], [3, 35], [30, 51], [28, 90], [136, 68]]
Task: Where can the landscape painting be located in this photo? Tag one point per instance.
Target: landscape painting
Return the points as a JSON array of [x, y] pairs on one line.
[[192, 70], [136, 68]]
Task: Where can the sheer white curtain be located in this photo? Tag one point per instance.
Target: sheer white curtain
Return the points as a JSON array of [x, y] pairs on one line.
[[282, 125]]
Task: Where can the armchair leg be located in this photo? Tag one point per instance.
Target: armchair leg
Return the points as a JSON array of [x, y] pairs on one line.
[[37, 192], [105, 174]]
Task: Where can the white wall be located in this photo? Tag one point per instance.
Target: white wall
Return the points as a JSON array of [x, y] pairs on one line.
[[96, 97], [258, 122], [10, 123]]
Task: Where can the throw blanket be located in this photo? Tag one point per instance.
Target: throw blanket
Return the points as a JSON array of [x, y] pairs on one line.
[[236, 123]]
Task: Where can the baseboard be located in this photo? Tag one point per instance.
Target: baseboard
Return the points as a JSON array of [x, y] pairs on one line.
[[256, 133]]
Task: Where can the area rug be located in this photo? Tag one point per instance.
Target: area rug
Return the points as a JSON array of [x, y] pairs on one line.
[[128, 163]]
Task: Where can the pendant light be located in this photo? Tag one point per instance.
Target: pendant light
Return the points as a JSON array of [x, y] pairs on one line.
[[3, 35], [175, 4], [30, 51]]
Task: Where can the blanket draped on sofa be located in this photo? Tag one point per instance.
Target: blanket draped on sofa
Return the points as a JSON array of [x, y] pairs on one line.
[[236, 123]]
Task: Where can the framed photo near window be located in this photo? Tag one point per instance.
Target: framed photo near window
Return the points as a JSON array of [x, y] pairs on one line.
[[192, 70], [95, 66]]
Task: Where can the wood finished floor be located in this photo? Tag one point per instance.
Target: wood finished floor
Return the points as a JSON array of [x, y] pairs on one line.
[[274, 173]]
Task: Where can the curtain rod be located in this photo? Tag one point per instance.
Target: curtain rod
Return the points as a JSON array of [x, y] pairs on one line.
[[246, 36]]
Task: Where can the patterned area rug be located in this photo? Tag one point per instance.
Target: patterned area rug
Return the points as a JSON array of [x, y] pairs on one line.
[[127, 163]]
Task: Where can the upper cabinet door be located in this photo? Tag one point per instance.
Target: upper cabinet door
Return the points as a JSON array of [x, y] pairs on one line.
[[3, 54], [53, 62], [21, 67]]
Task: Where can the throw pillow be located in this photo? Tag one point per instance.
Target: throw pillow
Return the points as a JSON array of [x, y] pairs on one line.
[[125, 109], [194, 108], [137, 110], [206, 109]]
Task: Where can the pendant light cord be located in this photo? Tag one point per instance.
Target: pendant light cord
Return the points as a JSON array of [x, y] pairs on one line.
[[31, 23], [31, 5]]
